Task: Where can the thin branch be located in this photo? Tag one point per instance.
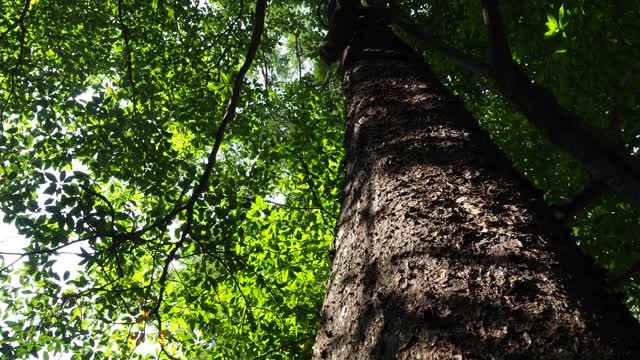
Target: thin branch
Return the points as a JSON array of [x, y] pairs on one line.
[[165, 270], [162, 346], [227, 118], [113, 285], [233, 101], [103, 288], [247, 304], [298, 57], [18, 21], [309, 208], [40, 251], [265, 74], [312, 188], [608, 162], [164, 350], [12, 87], [124, 29], [103, 198], [262, 280]]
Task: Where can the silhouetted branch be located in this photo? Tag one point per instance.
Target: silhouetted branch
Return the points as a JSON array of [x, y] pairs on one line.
[[233, 101], [607, 161], [18, 21], [124, 29], [211, 161], [41, 251], [404, 23], [312, 187], [12, 86], [298, 56]]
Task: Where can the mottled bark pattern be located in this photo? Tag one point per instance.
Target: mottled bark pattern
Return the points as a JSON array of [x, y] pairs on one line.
[[442, 250]]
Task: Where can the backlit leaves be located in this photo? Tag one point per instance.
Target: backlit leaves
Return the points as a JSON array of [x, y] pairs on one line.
[[101, 144]]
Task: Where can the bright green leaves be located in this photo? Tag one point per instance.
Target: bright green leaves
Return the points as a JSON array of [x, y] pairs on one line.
[[557, 25], [138, 120], [93, 162]]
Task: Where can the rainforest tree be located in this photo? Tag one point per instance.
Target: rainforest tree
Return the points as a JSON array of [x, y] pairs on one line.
[[442, 250], [189, 155]]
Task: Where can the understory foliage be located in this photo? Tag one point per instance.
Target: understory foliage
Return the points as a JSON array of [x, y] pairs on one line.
[[108, 114]]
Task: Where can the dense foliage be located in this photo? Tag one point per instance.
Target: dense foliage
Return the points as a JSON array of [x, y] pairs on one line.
[[109, 111]]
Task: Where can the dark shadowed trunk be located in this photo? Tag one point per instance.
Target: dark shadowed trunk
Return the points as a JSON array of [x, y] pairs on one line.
[[442, 250]]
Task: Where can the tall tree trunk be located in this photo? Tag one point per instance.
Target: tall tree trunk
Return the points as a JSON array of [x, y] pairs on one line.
[[442, 250]]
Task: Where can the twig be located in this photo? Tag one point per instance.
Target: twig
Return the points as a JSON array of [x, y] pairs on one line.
[[309, 208], [162, 347], [103, 198], [40, 251], [312, 187], [165, 269], [247, 304]]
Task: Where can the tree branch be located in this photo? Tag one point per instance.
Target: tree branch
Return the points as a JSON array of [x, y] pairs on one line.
[[127, 50], [233, 101], [229, 115], [402, 23], [19, 21], [607, 161], [12, 88]]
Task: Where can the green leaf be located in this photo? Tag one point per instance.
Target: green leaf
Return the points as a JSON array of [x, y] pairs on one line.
[[552, 26]]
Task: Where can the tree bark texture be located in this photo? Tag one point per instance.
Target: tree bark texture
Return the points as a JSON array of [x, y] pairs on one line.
[[442, 250]]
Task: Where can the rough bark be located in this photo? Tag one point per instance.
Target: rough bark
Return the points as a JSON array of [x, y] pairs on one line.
[[442, 250]]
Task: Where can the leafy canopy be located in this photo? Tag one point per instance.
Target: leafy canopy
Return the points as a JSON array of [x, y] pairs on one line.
[[109, 111]]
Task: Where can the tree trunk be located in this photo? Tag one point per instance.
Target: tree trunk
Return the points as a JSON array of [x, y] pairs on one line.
[[442, 250]]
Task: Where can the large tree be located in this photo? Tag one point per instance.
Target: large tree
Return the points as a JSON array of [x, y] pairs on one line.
[[442, 250], [189, 153]]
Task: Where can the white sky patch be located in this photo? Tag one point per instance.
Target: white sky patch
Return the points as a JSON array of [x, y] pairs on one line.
[[12, 245], [276, 198], [10, 241], [86, 96]]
